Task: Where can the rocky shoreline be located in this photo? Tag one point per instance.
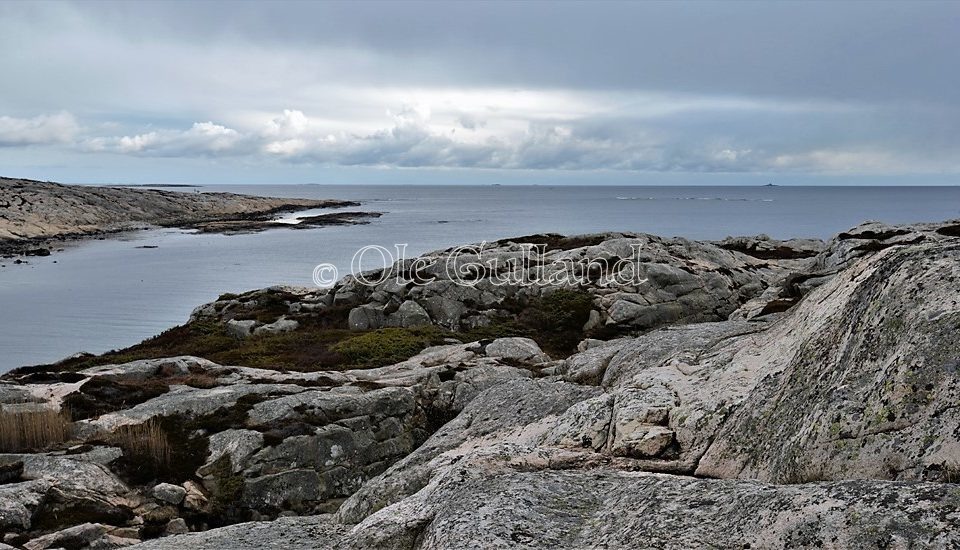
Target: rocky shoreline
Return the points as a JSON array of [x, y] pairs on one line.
[[37, 218], [747, 393]]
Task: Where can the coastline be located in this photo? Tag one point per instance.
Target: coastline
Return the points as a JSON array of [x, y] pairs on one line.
[[37, 218], [323, 413]]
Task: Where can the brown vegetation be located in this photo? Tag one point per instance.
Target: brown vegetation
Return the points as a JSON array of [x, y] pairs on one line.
[[145, 444], [32, 430]]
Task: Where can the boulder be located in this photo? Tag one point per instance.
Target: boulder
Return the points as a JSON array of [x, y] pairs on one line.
[[110, 541], [195, 499], [445, 312], [238, 445], [240, 329], [18, 501], [279, 326], [176, 526], [77, 536], [523, 350], [170, 493], [409, 314], [366, 317], [11, 471]]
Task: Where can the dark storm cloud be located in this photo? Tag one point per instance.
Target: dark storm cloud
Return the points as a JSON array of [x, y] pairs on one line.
[[838, 50]]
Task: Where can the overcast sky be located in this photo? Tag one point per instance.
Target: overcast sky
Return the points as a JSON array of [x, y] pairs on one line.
[[512, 92]]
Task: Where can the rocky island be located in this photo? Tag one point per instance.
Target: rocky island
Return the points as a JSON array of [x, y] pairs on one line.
[[746, 393], [36, 215]]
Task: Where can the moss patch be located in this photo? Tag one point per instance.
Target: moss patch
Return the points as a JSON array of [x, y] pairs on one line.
[[305, 349], [387, 346], [228, 489]]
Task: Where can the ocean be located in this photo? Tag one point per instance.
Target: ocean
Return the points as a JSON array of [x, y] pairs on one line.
[[104, 294]]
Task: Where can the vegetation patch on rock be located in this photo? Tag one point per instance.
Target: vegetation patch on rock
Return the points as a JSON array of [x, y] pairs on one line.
[[22, 431], [387, 345]]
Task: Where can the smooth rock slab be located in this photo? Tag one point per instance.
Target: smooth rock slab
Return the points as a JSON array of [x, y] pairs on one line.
[[609, 509], [501, 409], [283, 534], [72, 537]]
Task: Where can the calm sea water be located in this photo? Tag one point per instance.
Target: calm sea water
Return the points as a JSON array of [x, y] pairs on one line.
[[101, 295]]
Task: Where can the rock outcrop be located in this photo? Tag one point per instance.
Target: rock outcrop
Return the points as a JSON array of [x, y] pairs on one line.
[[832, 423], [248, 444], [629, 282], [34, 212]]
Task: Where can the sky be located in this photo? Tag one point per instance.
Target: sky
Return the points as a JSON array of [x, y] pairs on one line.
[[512, 92]]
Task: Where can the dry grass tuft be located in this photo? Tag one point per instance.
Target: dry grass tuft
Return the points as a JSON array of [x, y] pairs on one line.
[[32, 430], [146, 443]]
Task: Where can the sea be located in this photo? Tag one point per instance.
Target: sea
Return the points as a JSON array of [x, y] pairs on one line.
[[98, 295]]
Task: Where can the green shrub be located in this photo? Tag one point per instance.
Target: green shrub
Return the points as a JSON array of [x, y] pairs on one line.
[[561, 310], [556, 320], [387, 345]]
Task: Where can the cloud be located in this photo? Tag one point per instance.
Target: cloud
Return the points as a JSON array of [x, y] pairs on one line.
[[734, 87], [545, 130], [201, 139], [468, 121], [213, 57], [39, 130], [704, 139]]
